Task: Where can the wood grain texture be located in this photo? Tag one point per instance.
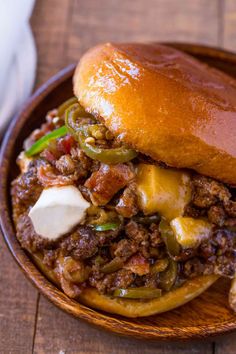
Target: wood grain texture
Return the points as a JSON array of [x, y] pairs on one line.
[[50, 23], [153, 20], [18, 303], [226, 344], [63, 30], [78, 337], [229, 24]]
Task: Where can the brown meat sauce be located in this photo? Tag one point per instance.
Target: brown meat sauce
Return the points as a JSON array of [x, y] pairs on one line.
[[83, 257]]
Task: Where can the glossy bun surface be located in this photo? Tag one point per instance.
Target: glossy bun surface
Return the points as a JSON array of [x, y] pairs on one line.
[[163, 103]]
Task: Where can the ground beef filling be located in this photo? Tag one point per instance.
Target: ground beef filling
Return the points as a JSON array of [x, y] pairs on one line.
[[134, 254]]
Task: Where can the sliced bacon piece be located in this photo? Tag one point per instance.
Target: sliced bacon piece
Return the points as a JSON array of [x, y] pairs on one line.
[[48, 178], [65, 144], [49, 156], [107, 181], [138, 265], [127, 205]]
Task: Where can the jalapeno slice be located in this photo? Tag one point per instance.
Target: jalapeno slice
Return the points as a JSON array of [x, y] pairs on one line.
[[74, 117], [74, 121], [169, 276], [169, 238], [63, 107], [147, 220], [107, 156], [112, 266]]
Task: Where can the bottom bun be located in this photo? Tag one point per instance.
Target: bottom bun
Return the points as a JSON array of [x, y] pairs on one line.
[[137, 308], [141, 308]]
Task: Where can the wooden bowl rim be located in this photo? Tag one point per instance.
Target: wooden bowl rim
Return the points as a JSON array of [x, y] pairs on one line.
[[105, 321]]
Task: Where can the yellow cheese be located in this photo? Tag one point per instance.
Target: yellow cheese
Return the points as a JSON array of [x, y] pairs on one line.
[[166, 191], [190, 232]]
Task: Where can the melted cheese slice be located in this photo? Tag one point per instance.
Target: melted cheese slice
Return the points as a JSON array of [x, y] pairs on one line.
[[190, 232], [163, 191], [57, 211]]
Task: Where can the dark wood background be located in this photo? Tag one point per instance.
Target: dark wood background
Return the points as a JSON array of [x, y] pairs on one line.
[[64, 29]]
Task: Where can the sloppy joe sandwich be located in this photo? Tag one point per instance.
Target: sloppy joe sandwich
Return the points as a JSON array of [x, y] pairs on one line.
[[126, 195]]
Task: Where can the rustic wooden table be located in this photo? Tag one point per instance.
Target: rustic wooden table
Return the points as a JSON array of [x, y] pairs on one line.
[[64, 29]]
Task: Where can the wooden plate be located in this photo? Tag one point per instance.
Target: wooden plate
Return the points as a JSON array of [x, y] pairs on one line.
[[207, 315]]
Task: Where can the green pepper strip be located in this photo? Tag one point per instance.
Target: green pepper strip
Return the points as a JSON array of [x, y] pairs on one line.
[[106, 227], [112, 266], [168, 277], [169, 238], [43, 142], [138, 293], [63, 107], [107, 156]]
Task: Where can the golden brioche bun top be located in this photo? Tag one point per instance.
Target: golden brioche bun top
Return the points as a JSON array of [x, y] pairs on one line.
[[164, 104]]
